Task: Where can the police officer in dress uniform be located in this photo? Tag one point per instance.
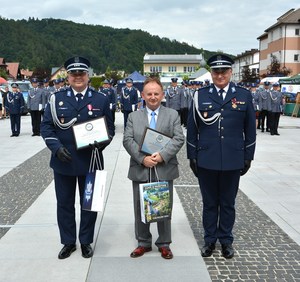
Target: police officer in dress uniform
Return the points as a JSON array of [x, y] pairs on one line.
[[174, 96], [129, 99], [110, 92], [185, 103], [56, 83], [36, 104], [14, 105], [48, 90], [276, 108], [221, 138], [255, 95], [264, 105], [76, 104]]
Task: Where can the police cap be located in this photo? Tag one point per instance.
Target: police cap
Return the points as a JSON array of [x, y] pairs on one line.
[[45, 80], [275, 84], [220, 61], [174, 79], [56, 81], [34, 80], [128, 80], [106, 81], [253, 85], [14, 85], [77, 64], [267, 83]]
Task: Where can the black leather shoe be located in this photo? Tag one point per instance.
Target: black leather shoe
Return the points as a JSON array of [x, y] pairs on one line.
[[86, 250], [66, 251], [207, 249], [227, 251]]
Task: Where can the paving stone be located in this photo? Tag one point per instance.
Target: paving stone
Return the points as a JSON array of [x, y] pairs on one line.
[[263, 252]]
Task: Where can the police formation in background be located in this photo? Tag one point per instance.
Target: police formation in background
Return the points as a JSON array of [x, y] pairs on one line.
[[76, 104], [221, 137], [111, 94], [129, 99], [14, 105], [36, 104]]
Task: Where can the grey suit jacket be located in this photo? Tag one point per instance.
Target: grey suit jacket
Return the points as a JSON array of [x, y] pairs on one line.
[[168, 122]]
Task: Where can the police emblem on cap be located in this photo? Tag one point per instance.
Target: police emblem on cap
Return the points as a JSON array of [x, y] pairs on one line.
[[76, 59]]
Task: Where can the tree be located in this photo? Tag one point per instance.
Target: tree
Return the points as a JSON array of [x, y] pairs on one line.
[[275, 70], [3, 74], [249, 75]]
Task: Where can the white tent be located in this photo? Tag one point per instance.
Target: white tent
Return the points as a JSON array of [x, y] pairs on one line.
[[204, 76], [272, 79]]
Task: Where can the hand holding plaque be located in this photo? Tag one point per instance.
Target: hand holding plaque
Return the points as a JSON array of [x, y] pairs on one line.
[[88, 132], [153, 141]]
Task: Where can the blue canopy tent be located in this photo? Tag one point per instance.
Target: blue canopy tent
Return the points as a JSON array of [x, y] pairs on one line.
[[138, 81]]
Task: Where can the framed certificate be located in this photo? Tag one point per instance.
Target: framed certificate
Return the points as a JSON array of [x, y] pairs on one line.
[[153, 141], [86, 133]]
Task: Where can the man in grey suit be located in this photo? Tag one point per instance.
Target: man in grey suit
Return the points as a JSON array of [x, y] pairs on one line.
[[167, 122]]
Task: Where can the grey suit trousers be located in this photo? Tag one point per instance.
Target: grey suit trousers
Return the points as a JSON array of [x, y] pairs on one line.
[[142, 230]]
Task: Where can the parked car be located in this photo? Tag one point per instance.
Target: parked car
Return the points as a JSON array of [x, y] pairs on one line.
[[24, 86]]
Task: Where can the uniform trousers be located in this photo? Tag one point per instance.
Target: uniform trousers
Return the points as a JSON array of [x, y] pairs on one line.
[[265, 117], [274, 122], [126, 114], [65, 188], [15, 123], [35, 121], [142, 230], [219, 190]]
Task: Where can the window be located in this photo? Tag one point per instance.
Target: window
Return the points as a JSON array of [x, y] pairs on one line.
[[172, 68], [155, 69], [296, 57], [189, 69], [297, 31]]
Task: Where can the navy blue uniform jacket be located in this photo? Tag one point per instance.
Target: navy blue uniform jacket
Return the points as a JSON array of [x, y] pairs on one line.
[[55, 137], [226, 143]]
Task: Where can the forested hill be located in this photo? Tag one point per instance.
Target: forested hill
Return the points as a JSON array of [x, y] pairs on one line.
[[47, 43]]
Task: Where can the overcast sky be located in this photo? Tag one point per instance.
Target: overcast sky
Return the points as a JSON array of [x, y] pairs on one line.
[[231, 26]]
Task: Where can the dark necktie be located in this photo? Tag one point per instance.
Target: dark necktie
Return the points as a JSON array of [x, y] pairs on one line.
[[79, 98], [221, 93], [152, 121]]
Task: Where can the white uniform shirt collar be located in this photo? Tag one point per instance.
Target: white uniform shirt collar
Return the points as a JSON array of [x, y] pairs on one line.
[[82, 92]]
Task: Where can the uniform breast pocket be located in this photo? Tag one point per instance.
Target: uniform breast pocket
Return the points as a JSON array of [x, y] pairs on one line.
[[95, 113], [65, 115], [238, 108], [207, 110]]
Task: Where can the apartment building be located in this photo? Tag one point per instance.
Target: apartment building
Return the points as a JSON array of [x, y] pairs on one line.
[[282, 40], [248, 59]]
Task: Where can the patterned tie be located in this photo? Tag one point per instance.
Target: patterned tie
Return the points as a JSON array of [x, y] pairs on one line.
[[79, 98], [152, 121]]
